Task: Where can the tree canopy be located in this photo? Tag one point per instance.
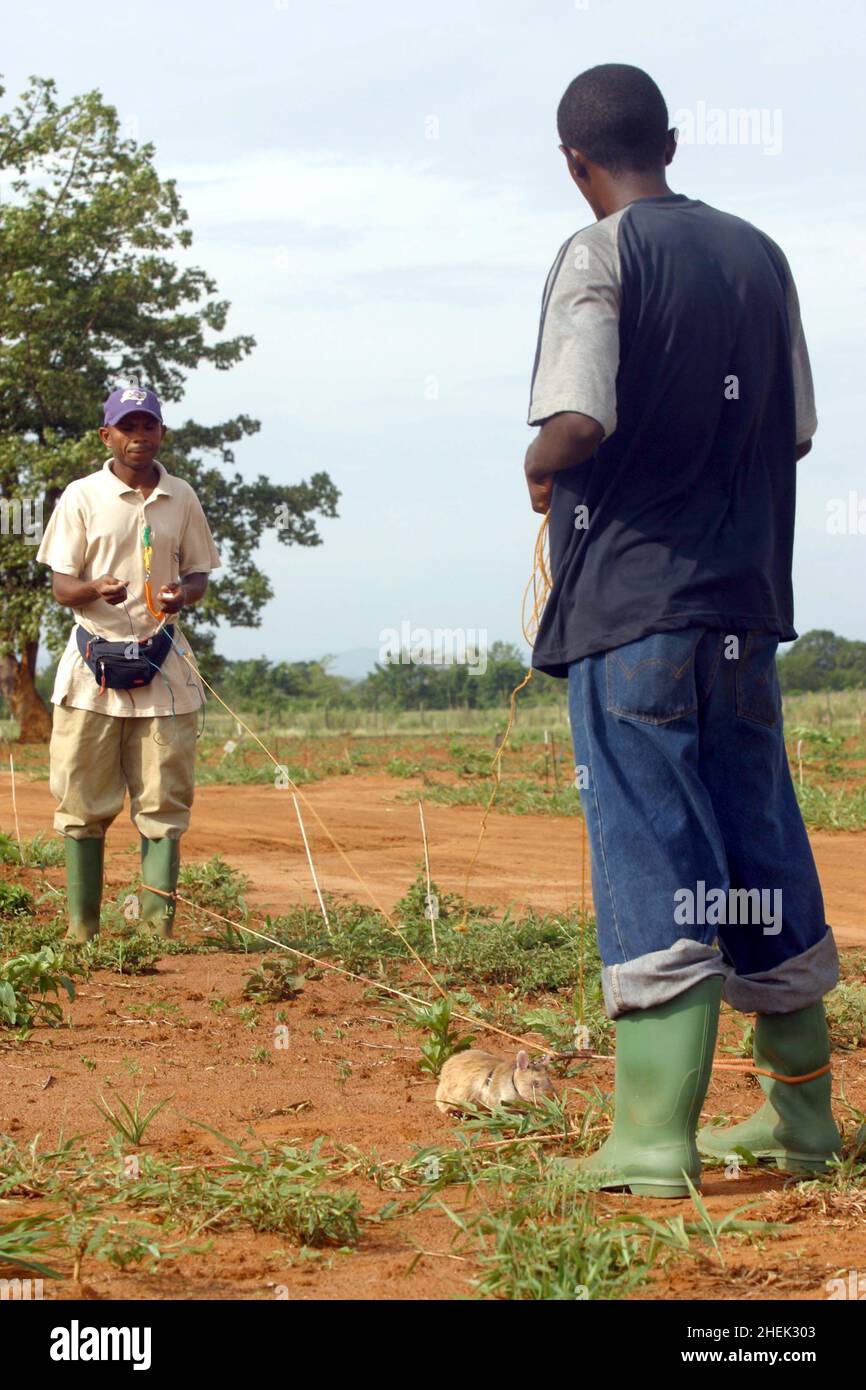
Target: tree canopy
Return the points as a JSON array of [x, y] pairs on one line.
[[819, 660], [97, 292]]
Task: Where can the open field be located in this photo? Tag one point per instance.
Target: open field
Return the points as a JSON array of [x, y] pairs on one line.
[[248, 1046], [447, 754], [839, 711]]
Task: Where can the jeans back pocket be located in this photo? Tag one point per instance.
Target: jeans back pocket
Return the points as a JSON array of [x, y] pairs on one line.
[[653, 679], [758, 696]]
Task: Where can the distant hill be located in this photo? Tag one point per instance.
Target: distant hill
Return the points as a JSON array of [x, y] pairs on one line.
[[353, 665]]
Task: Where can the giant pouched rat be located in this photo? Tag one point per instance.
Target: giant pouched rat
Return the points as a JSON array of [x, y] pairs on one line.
[[475, 1077]]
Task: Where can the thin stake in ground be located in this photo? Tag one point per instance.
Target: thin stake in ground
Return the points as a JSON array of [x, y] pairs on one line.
[[15, 809], [429, 891], [312, 866], [583, 866]]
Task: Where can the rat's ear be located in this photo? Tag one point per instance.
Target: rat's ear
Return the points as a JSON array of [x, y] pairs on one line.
[[522, 1060]]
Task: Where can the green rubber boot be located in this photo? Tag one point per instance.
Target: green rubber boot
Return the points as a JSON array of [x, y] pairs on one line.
[[160, 864], [664, 1057], [84, 865], [794, 1127]]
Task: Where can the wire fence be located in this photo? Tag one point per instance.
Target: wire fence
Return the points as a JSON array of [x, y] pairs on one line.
[[328, 723]]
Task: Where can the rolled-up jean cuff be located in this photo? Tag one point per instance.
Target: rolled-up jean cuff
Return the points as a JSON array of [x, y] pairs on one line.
[[794, 984], [658, 976]]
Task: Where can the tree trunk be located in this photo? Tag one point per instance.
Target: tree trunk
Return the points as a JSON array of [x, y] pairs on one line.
[[25, 702]]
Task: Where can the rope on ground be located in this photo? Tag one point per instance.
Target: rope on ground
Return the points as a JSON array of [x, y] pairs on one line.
[[750, 1069], [283, 770], [720, 1064], [343, 970], [539, 585]]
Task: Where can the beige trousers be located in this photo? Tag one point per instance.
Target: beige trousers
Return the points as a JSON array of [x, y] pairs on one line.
[[96, 758]]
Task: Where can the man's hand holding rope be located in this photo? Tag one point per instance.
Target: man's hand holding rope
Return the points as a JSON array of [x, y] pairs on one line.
[[563, 441]]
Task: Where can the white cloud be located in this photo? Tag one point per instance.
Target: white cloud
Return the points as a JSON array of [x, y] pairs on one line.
[[388, 216]]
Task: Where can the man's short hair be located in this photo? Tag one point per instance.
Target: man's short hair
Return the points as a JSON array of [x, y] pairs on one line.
[[616, 115]]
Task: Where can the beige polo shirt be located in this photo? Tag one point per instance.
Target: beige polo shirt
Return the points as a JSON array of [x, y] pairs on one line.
[[95, 529]]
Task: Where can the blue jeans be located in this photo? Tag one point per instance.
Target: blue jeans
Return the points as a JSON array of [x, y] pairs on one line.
[[700, 860]]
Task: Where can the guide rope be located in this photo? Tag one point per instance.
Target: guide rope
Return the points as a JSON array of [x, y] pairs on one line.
[[341, 969], [539, 587], [183, 652]]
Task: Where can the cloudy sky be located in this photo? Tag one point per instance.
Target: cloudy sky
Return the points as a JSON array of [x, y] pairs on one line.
[[378, 191]]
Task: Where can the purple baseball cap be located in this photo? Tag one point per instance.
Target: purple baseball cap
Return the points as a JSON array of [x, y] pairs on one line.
[[126, 399]]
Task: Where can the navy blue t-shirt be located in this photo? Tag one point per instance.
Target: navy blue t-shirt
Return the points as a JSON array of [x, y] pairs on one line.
[[677, 328]]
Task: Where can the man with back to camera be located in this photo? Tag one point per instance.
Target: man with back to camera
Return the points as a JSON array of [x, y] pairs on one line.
[[129, 546], [674, 394]]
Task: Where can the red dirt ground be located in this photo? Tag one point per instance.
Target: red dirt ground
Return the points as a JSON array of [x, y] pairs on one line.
[[525, 860], [204, 1060]]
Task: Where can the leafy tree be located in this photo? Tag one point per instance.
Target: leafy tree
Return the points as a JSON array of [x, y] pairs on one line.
[[94, 294], [411, 685], [268, 686], [820, 660], [506, 668]]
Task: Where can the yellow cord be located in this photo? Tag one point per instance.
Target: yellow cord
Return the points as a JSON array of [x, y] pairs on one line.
[[539, 586], [347, 861]]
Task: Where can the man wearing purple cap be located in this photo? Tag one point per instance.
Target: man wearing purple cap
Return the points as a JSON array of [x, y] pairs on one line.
[[129, 547]]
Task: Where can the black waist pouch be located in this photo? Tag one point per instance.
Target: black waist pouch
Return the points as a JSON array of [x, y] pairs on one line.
[[124, 665]]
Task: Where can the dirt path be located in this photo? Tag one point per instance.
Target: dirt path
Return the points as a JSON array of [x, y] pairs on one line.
[[348, 1074], [525, 860]]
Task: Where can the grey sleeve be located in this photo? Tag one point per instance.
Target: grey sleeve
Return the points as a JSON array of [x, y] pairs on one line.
[[804, 394], [577, 357], [804, 391]]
